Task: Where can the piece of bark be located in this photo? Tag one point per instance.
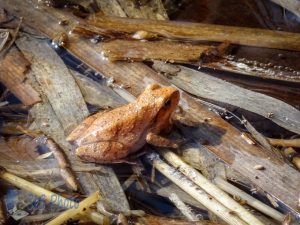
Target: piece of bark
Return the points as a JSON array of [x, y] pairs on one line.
[[13, 69], [195, 32], [174, 52], [97, 94], [21, 64], [208, 87], [46, 115], [107, 181], [199, 157], [258, 136], [52, 74], [225, 141], [291, 5], [290, 95]]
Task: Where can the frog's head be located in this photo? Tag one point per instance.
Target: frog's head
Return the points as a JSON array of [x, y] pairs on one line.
[[162, 101]]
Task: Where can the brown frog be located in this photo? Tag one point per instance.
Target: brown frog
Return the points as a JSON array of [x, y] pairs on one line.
[[113, 135]]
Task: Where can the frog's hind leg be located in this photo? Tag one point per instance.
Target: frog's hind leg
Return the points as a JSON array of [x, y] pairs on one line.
[[102, 152]]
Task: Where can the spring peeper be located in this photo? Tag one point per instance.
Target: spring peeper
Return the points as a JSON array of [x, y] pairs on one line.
[[110, 136]]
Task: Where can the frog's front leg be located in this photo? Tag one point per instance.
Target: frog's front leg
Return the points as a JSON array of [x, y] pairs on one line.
[[102, 152], [159, 141]]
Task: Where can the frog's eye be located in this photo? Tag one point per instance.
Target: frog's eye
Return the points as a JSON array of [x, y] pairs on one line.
[[167, 103], [153, 86]]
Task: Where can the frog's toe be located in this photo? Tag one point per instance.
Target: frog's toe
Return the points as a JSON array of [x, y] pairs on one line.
[[105, 151]]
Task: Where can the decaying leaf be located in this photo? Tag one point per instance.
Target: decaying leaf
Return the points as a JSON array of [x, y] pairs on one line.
[[19, 148]]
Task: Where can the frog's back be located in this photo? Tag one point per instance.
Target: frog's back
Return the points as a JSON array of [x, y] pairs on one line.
[[126, 125]]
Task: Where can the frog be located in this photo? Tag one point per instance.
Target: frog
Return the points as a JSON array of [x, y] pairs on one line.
[[111, 136]]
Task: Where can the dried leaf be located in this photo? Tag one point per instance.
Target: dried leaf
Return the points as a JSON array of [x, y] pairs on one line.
[[18, 148]]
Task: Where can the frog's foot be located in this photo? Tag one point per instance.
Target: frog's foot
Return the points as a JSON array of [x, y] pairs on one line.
[[159, 141], [102, 152]]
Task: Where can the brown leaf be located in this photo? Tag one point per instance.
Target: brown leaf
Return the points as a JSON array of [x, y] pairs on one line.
[[18, 148]]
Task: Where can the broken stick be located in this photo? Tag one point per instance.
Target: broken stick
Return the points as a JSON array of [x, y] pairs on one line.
[[52, 197], [210, 188], [285, 142], [194, 32], [187, 185]]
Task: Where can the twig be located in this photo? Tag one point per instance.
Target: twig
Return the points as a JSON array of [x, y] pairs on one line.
[[49, 196], [229, 188], [129, 181], [192, 32], [293, 156], [188, 186], [285, 142], [65, 168], [83, 206], [184, 209], [137, 170], [33, 188], [210, 188]]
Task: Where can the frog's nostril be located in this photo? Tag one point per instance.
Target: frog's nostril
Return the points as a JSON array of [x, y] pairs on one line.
[[168, 103]]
